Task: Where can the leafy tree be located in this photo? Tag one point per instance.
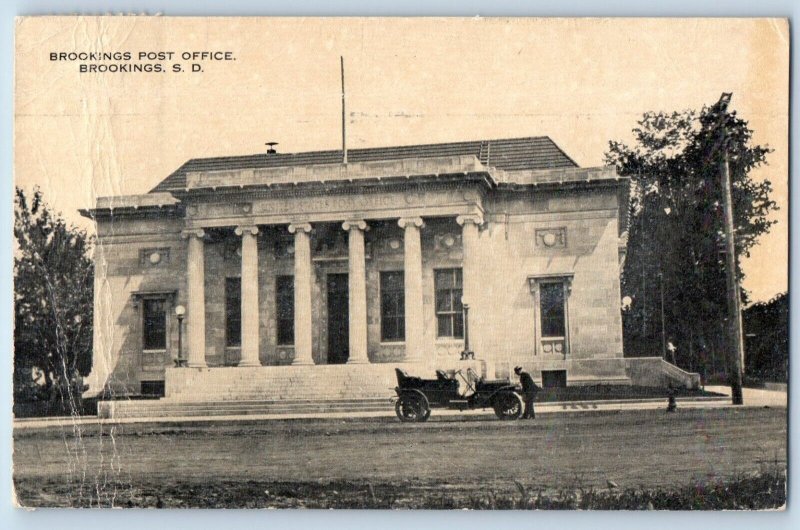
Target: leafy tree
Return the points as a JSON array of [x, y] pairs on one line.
[[766, 327], [53, 301], [676, 235]]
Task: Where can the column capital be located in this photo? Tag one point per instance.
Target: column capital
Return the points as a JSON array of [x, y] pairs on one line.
[[355, 224], [197, 232], [410, 221], [474, 218], [299, 227], [242, 229]]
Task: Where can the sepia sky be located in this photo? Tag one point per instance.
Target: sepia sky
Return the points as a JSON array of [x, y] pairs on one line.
[[582, 82]]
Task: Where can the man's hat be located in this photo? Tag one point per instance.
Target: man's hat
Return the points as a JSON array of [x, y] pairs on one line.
[[517, 370]]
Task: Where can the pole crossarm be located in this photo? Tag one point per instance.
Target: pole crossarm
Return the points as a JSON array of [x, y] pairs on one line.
[[719, 126]]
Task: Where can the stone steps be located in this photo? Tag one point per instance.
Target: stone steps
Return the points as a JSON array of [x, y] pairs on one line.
[[170, 403], [261, 398], [281, 382], [221, 391], [255, 394], [165, 408]]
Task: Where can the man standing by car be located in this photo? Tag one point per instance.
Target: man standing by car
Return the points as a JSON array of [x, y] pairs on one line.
[[529, 391]]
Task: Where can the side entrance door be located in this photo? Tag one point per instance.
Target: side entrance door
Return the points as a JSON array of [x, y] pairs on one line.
[[338, 319]]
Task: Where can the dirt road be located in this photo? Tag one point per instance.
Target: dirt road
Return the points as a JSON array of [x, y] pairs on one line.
[[105, 465]]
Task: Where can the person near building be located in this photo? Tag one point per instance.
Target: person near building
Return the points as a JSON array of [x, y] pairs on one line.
[[529, 391]]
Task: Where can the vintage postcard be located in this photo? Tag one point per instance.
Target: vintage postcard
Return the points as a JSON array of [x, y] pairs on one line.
[[432, 263]]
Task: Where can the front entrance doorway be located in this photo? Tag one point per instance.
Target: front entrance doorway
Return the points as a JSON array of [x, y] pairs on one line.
[[338, 319]]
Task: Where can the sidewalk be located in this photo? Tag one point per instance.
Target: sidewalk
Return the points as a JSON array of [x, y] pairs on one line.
[[752, 398], [756, 397]]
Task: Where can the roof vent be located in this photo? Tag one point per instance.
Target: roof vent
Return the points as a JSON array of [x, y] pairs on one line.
[[271, 150]]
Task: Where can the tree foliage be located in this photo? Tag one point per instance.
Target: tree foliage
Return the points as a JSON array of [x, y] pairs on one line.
[[766, 327], [676, 232], [53, 301]]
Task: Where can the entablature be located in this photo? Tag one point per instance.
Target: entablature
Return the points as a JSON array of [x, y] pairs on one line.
[[373, 204], [147, 205], [315, 174]]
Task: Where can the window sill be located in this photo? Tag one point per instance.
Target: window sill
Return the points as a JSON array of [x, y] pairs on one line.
[[155, 351], [451, 340], [393, 343]]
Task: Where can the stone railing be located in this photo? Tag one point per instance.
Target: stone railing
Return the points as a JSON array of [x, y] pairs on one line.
[[555, 175], [655, 371]]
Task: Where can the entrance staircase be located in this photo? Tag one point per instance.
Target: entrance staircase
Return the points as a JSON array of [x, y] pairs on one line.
[[163, 408], [266, 390]]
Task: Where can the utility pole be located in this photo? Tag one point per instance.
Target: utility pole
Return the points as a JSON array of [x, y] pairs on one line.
[[663, 325], [735, 336]]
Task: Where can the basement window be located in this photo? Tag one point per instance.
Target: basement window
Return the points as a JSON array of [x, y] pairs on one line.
[[554, 378], [152, 388]]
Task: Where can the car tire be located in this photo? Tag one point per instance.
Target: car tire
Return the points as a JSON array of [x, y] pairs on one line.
[[508, 406], [412, 408]]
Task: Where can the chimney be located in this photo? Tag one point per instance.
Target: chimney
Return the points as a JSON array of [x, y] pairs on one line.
[[271, 150]]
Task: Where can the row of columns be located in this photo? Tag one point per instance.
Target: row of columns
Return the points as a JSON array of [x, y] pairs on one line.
[[303, 276]]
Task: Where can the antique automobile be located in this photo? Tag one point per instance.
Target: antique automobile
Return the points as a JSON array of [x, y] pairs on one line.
[[457, 391]]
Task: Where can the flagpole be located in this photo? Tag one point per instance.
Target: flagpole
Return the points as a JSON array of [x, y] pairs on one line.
[[344, 135]]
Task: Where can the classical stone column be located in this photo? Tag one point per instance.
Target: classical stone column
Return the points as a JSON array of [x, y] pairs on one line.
[[196, 299], [249, 295], [357, 287], [302, 293], [471, 279], [412, 274]]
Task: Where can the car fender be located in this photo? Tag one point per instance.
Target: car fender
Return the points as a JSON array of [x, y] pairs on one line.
[[401, 392], [509, 388]]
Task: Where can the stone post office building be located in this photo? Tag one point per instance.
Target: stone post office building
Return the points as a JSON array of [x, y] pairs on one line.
[[305, 276]]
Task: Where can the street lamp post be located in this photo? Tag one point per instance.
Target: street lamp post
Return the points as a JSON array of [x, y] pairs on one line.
[[467, 353], [180, 312]]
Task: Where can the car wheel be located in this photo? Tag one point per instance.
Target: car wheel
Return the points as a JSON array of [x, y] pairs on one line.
[[508, 406], [411, 408]]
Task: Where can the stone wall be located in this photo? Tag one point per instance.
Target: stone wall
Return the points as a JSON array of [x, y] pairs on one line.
[[503, 318], [122, 268]]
